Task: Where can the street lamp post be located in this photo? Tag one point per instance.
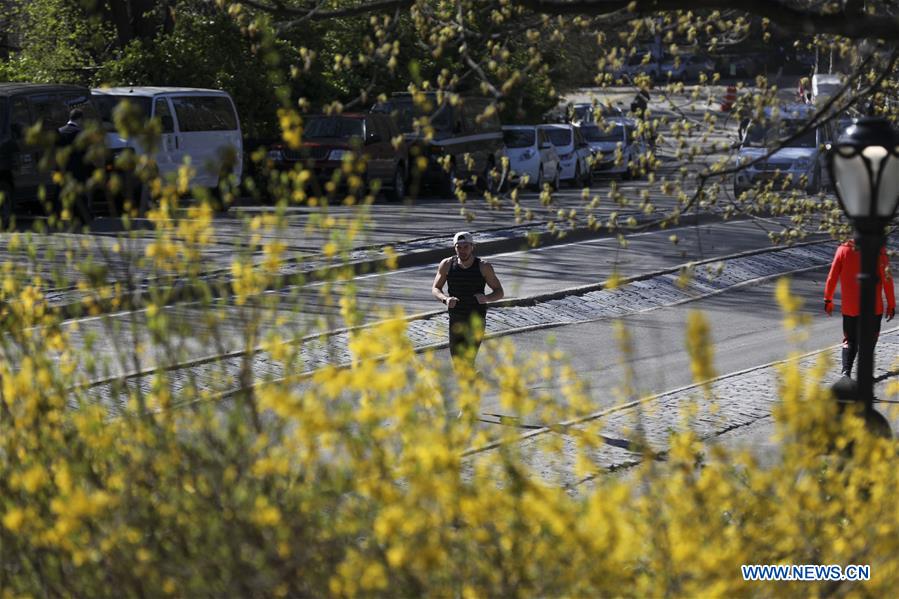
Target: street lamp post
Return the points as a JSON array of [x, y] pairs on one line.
[[864, 165]]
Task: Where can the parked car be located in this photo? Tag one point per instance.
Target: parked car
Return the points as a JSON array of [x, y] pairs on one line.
[[800, 160], [467, 140], [23, 170], [575, 157], [531, 154], [196, 124], [582, 112], [616, 146], [328, 139]]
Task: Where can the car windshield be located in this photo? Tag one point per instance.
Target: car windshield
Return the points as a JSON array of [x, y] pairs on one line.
[[828, 89], [583, 113], [595, 133], [333, 127], [559, 137], [518, 138], [406, 112], [761, 135], [107, 104]]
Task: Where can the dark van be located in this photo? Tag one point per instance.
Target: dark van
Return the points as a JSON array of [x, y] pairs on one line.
[[467, 134], [21, 106]]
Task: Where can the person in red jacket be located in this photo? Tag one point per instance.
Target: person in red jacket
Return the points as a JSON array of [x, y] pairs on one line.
[[844, 269]]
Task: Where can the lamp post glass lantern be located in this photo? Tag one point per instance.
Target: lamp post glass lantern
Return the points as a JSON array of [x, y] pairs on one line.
[[864, 166]]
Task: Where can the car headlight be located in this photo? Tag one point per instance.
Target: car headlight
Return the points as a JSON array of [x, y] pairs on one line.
[[276, 155], [527, 155], [337, 154]]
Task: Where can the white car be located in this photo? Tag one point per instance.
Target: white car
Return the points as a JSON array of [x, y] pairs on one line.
[[575, 156], [616, 146], [798, 163], [531, 155]]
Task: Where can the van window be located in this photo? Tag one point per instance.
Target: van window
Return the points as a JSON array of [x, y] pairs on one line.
[[204, 113], [79, 100], [405, 113], [106, 106], [559, 137], [380, 126], [470, 112], [162, 110], [518, 138], [51, 110], [20, 116]]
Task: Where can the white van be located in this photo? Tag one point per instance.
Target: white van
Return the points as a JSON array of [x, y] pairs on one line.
[[200, 124], [825, 86]]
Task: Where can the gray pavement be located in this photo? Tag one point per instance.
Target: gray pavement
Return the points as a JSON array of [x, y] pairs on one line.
[[737, 413]]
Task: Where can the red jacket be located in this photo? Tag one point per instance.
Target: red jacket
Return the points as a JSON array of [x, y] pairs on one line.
[[845, 268]]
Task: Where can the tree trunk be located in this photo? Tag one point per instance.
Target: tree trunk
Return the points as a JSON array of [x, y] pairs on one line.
[[137, 19]]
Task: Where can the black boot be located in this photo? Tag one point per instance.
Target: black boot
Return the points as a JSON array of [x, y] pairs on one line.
[[848, 359]]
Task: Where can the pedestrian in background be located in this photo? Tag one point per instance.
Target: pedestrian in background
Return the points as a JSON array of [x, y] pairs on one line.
[[75, 163], [640, 102], [466, 276], [844, 270]]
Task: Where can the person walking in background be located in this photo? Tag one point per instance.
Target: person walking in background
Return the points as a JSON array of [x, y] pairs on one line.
[[844, 269], [465, 276], [75, 162]]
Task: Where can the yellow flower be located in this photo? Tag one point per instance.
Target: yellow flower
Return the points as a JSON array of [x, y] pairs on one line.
[[14, 519]]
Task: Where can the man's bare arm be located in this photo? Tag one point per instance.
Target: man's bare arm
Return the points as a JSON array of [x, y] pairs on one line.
[[439, 282], [496, 287]]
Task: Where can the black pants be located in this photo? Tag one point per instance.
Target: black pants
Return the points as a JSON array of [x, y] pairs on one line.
[[466, 331], [850, 340]]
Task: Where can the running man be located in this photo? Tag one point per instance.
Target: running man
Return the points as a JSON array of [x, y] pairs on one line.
[[465, 276], [844, 269]]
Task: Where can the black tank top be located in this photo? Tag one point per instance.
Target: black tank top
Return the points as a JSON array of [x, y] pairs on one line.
[[464, 283]]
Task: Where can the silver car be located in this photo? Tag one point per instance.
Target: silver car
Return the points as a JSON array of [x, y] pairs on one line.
[[798, 163], [531, 155], [616, 146]]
